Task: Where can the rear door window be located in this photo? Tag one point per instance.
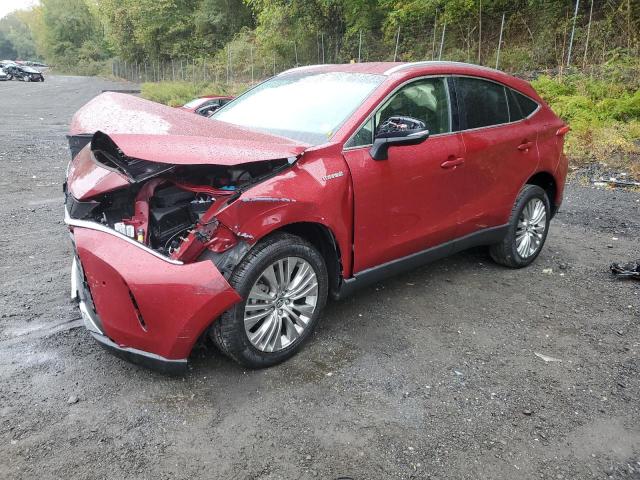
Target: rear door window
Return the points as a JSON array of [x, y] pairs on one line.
[[485, 102]]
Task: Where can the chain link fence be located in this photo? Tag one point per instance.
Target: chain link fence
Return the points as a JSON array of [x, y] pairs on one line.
[[513, 47]]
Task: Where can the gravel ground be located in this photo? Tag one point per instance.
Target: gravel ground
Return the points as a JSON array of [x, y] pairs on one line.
[[432, 374]]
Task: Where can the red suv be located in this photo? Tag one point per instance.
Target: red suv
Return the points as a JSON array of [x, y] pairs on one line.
[[312, 184]]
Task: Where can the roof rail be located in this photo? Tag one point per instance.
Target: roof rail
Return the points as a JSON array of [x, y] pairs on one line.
[[404, 66]]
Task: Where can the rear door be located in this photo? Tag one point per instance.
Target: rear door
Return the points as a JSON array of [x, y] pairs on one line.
[[406, 203], [500, 152]]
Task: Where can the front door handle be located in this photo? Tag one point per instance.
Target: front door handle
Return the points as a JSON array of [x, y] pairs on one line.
[[452, 162], [524, 146]]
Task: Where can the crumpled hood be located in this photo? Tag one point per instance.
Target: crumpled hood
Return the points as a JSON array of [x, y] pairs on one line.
[[134, 132], [115, 113], [194, 150]]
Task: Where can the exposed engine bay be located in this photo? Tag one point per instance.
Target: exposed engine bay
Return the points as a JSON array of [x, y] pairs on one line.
[[169, 208]]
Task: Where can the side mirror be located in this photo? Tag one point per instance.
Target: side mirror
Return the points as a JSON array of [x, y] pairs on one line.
[[396, 131]]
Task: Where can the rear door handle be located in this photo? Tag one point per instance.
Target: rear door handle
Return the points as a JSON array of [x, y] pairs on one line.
[[524, 146], [453, 162]]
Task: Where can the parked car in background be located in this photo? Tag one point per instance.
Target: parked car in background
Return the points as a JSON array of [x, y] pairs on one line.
[[316, 182], [206, 106], [22, 72], [4, 75]]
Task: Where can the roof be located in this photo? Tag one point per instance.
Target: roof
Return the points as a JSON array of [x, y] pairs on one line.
[[400, 71]]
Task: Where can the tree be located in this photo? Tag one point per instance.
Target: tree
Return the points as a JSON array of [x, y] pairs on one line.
[[16, 40], [71, 32]]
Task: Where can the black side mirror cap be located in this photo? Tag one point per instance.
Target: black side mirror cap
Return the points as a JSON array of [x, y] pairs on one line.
[[380, 148]]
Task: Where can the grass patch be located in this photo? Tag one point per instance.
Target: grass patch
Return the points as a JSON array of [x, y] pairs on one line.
[[603, 110], [178, 93]]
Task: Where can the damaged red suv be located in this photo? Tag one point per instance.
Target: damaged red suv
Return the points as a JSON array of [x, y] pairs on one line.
[[312, 184]]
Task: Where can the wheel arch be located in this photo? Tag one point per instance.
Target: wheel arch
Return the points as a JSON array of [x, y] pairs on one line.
[[547, 182], [322, 238]]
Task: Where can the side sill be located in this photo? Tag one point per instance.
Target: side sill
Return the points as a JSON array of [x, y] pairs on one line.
[[144, 359], [375, 274]]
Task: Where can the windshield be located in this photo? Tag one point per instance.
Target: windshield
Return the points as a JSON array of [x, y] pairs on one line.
[[302, 106]]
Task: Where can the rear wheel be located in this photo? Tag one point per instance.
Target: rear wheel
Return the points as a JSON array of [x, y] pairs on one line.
[[283, 282], [528, 227]]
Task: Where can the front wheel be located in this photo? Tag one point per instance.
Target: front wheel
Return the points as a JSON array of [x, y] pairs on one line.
[[284, 283], [528, 228]]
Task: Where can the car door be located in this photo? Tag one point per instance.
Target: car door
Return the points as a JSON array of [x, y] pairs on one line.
[[500, 152], [408, 202]]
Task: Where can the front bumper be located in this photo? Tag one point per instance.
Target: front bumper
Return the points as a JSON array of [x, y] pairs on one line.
[[140, 305]]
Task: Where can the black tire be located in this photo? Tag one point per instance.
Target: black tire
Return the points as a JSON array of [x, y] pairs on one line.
[[506, 252], [228, 332]]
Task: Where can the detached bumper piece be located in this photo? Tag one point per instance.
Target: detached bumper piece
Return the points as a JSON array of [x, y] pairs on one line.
[[626, 270], [144, 308]]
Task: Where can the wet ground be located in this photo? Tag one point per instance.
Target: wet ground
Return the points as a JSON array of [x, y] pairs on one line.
[[440, 373]]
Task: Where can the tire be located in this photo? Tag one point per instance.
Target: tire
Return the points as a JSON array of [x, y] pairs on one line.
[[249, 280], [507, 252]]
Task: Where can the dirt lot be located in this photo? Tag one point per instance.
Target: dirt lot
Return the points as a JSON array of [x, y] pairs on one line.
[[432, 374]]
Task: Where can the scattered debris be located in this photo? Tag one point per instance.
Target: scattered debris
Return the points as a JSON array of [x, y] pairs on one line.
[[547, 271], [73, 399], [527, 412], [626, 270], [615, 182], [547, 358]]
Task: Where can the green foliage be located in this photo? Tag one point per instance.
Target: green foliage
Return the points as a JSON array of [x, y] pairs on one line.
[[603, 112], [71, 33], [16, 40], [289, 32], [178, 93], [164, 29]]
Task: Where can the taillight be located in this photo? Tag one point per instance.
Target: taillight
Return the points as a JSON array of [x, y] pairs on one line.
[[563, 130]]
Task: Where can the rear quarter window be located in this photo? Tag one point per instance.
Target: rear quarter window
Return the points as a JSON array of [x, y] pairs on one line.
[[520, 106], [527, 106]]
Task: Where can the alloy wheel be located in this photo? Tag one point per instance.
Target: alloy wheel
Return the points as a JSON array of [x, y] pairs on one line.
[[531, 228], [281, 304]]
